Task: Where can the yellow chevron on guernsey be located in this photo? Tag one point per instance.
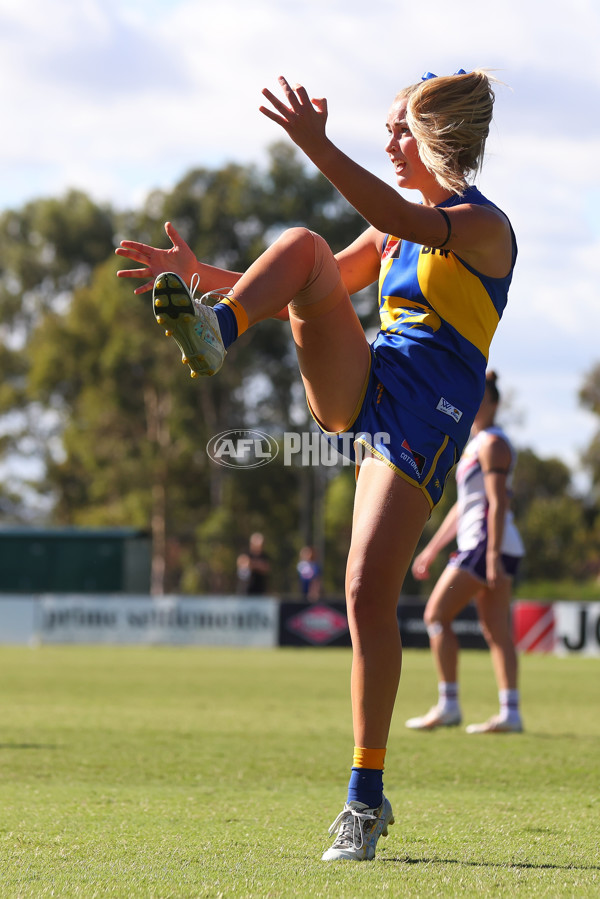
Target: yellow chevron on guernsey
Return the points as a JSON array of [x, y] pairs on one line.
[[398, 313], [459, 297]]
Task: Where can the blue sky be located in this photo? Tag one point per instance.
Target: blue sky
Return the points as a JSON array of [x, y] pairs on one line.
[[118, 97]]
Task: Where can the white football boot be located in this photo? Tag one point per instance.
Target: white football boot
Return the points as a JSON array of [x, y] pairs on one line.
[[435, 717], [191, 322], [358, 828], [497, 725]]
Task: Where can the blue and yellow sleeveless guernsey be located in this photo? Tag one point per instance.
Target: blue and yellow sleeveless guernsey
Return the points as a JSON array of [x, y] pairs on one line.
[[438, 317]]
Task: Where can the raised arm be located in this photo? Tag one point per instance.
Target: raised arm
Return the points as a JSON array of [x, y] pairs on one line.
[[359, 263], [304, 120], [480, 234]]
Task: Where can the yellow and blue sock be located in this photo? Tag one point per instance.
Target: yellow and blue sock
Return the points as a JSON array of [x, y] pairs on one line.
[[366, 777], [232, 319]]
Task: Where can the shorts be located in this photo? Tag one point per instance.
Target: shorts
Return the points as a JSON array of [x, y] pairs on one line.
[[417, 451], [473, 561]]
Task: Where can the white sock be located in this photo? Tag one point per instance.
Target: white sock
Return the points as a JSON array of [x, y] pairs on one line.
[[448, 696], [509, 705]]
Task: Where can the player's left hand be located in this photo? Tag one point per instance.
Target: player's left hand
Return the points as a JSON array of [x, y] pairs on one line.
[[303, 119], [421, 565]]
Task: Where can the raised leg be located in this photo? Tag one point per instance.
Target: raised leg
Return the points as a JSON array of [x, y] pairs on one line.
[[332, 349]]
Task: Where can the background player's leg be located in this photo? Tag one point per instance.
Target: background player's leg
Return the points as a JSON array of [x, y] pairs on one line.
[[494, 615], [453, 591], [493, 607]]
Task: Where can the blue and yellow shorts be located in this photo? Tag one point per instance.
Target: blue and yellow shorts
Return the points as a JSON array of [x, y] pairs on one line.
[[416, 450]]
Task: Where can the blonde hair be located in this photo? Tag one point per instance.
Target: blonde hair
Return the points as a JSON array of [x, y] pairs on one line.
[[449, 117]]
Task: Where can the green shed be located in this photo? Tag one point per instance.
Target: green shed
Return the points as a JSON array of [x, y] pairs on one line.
[[74, 560]]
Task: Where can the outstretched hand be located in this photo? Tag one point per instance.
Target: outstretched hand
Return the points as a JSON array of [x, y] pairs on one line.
[[179, 259], [304, 119]]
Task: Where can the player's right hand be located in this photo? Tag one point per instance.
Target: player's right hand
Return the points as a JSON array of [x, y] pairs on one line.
[[179, 259]]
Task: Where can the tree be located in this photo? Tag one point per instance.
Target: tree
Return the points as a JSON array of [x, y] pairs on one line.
[[130, 426], [556, 538], [553, 522], [589, 397], [537, 479], [46, 250]]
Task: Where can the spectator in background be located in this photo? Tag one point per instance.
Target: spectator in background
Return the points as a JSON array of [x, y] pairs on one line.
[[253, 567], [309, 573]]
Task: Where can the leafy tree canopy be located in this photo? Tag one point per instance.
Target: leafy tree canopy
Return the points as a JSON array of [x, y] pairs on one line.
[[93, 393]]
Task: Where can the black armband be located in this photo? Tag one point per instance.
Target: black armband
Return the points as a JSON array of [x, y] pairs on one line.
[[446, 218]]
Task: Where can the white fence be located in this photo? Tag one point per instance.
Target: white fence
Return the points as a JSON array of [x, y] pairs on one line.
[[115, 619], [560, 627]]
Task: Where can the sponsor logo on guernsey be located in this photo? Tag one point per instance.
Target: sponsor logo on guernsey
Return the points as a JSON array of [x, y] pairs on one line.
[[435, 251], [392, 248], [449, 409]]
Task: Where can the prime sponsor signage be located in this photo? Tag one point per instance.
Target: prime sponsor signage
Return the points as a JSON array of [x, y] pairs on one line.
[[198, 621], [560, 627]]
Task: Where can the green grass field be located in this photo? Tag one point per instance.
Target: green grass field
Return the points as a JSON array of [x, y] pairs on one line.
[[170, 772]]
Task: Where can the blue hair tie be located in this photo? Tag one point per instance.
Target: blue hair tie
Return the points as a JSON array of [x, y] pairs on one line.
[[429, 75]]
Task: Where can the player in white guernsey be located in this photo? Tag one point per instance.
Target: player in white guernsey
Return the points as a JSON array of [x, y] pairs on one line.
[[483, 568]]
